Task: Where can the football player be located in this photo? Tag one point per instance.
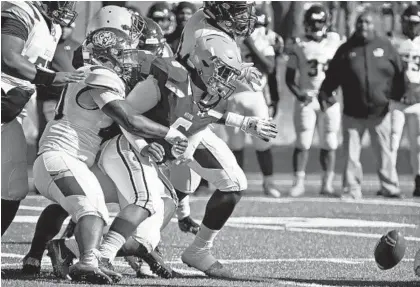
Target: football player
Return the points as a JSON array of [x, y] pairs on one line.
[[259, 49], [71, 141], [30, 32], [408, 109], [309, 60], [161, 13]]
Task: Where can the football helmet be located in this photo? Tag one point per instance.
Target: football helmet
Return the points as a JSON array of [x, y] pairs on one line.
[[410, 21], [112, 38], [263, 19], [152, 38], [235, 17], [60, 12], [160, 12], [217, 62], [315, 22]]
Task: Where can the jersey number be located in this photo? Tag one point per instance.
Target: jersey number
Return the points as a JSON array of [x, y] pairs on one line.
[[412, 64], [316, 67]]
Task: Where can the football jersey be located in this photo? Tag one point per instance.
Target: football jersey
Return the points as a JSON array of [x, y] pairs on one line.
[[79, 118], [169, 82], [195, 28], [42, 41], [312, 60], [410, 54], [264, 40]]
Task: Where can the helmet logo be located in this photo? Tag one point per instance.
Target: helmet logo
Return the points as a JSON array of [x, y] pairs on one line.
[[104, 39], [226, 6]]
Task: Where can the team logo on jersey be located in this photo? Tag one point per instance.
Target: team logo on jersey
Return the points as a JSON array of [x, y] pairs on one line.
[[378, 52], [104, 39]]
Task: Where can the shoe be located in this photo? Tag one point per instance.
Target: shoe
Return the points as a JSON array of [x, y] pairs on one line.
[[69, 231], [141, 268], [158, 266], [355, 193], [416, 192], [187, 224], [61, 257], [81, 272], [194, 257], [271, 190], [31, 265], [329, 193], [389, 195], [417, 263], [298, 188], [106, 267]]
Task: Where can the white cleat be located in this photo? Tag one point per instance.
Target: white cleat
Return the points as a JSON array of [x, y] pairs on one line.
[[203, 260], [298, 188], [271, 190]]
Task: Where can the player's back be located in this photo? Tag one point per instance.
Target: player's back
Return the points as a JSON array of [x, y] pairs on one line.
[[195, 28], [42, 41], [313, 59], [79, 119]]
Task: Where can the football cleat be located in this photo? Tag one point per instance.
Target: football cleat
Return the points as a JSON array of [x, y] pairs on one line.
[[187, 224], [387, 194], [271, 190], [158, 266], [141, 268], [81, 272], [31, 265], [106, 267], [390, 250], [354, 193], [417, 263], [61, 257], [203, 260], [298, 188]]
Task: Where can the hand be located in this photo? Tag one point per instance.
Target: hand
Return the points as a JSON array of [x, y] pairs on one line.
[[304, 98], [325, 101], [178, 141], [272, 109], [62, 78], [259, 128], [155, 151], [250, 74], [411, 97]]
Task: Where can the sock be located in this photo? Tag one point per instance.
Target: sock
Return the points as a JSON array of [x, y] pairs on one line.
[[9, 209], [300, 160], [300, 176], [112, 242], [49, 224], [265, 160], [72, 245], [327, 160], [183, 209], [205, 237], [239, 155], [268, 179], [90, 257]]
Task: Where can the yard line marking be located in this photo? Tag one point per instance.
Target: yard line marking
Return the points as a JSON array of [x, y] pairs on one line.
[[34, 208]]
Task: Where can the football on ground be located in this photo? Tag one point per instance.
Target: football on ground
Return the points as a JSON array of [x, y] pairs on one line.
[[390, 250]]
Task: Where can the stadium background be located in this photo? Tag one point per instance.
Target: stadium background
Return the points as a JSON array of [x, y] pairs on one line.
[[285, 140]]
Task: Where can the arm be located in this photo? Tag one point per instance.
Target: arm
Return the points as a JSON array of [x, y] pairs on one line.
[[400, 83], [291, 71], [267, 63], [331, 82]]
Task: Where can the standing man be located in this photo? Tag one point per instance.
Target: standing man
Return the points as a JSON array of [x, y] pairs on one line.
[[370, 72], [406, 109], [309, 59]]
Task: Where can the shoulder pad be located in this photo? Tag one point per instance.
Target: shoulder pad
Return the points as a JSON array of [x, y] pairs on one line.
[[175, 71], [22, 11], [103, 78]]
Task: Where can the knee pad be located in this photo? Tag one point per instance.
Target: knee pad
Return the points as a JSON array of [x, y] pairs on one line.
[[236, 181], [14, 184], [330, 142]]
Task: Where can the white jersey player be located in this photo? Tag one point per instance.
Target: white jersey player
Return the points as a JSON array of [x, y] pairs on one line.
[[30, 34], [407, 110], [309, 60], [71, 142]]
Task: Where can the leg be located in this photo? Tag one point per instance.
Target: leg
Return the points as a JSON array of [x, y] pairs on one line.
[[353, 130], [328, 128], [304, 120], [14, 174], [397, 127], [380, 131], [413, 128], [215, 162]]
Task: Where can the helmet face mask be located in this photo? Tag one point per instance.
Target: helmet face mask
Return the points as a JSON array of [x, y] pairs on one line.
[[316, 22], [60, 12], [237, 18]]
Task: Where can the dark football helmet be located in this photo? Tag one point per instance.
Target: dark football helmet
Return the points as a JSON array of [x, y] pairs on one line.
[[410, 21], [152, 38], [235, 17], [316, 22], [60, 12], [161, 13]]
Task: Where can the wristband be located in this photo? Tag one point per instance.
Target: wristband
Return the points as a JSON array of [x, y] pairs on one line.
[[234, 120], [171, 135], [43, 77]]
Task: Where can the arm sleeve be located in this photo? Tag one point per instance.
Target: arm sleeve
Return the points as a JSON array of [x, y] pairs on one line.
[[101, 96], [332, 75], [14, 27], [293, 61], [400, 82]]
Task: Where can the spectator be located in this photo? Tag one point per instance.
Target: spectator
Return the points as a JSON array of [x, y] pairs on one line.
[[370, 72], [183, 12], [47, 97]]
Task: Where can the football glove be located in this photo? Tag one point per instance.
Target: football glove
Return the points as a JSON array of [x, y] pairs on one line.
[[250, 74], [178, 141], [259, 128], [326, 101]]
